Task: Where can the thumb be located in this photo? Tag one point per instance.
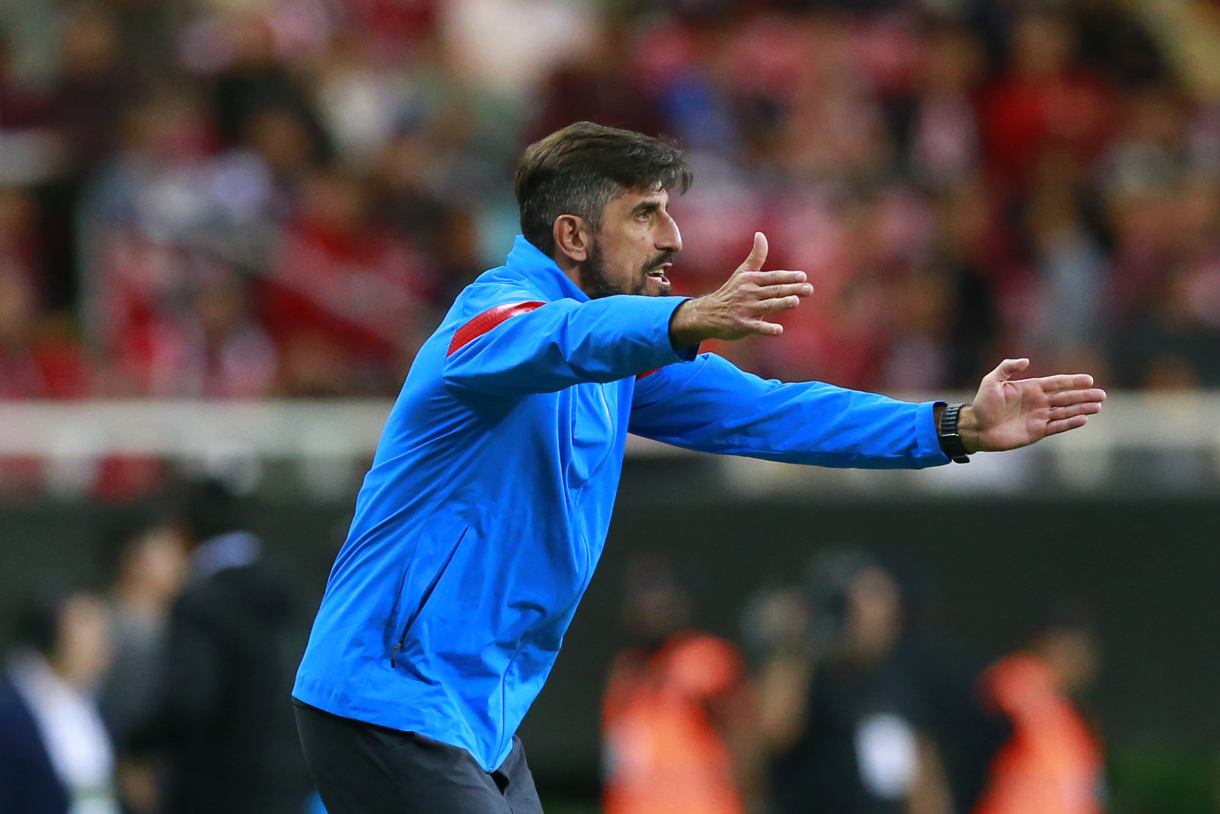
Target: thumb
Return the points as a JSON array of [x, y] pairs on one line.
[[1009, 368], [758, 254]]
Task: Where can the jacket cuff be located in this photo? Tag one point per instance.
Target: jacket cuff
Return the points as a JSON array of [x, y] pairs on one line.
[[687, 354], [927, 444]]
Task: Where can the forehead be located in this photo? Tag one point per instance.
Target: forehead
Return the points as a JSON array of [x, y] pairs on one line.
[[632, 198]]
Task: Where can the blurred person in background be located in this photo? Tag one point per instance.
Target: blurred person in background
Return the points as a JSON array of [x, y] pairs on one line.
[[38, 359], [1053, 763], [346, 295], [86, 108], [678, 717], [220, 719], [843, 715], [149, 562], [55, 754]]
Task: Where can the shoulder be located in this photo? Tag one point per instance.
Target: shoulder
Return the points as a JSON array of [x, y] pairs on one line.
[[497, 287], [28, 780], [260, 590], [17, 727]]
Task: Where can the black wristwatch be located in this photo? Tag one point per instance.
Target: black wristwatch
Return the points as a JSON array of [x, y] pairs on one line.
[[950, 439]]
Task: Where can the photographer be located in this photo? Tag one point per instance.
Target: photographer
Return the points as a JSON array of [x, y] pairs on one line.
[[843, 714]]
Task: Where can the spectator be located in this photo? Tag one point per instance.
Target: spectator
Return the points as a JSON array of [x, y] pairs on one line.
[[37, 357], [678, 716], [221, 717], [86, 111], [150, 564], [843, 712], [255, 78], [1044, 101], [347, 295], [55, 755], [150, 567], [1053, 762]]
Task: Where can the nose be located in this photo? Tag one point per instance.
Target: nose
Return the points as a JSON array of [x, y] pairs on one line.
[[668, 237]]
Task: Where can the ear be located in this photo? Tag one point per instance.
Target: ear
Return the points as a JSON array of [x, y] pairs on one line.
[[573, 238]]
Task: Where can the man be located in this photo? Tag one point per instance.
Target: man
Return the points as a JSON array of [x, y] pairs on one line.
[[220, 716], [1054, 762], [678, 717], [485, 511], [55, 755], [845, 716]]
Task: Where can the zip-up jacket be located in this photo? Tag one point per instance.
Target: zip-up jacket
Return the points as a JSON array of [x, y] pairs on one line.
[[484, 514]]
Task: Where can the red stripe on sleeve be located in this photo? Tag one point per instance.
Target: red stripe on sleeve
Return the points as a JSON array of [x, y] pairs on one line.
[[648, 373], [487, 320]]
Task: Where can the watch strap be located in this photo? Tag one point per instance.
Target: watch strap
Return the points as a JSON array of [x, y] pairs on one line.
[[947, 434]]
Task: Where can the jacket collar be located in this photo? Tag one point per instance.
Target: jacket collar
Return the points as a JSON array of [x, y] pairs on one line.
[[526, 260]]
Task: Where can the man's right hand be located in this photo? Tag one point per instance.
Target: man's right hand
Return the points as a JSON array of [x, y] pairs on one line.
[[742, 304]]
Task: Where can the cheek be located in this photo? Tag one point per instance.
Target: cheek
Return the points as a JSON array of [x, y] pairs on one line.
[[642, 250], [623, 265]]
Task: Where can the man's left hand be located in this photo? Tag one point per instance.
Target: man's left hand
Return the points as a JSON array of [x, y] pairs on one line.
[[1008, 414]]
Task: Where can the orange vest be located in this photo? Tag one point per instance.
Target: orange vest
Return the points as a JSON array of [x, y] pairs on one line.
[[663, 756], [1052, 764]]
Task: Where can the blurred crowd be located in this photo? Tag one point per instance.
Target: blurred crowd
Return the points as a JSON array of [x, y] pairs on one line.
[[252, 198], [844, 700], [163, 689]]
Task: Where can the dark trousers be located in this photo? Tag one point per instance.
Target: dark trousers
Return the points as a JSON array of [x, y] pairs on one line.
[[361, 768]]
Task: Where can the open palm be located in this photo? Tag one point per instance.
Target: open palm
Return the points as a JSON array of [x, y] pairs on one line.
[[1009, 414]]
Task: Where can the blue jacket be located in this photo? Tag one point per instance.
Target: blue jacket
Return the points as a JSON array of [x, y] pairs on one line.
[[484, 514]]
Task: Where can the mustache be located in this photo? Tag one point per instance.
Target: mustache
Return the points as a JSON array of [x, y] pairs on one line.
[[658, 260]]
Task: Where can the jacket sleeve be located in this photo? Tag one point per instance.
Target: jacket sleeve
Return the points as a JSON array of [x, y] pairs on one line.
[[518, 347], [712, 406]]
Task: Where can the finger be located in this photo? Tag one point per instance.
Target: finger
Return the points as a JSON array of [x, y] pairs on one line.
[[776, 305], [769, 278], [1087, 408], [1054, 384], [758, 254], [1075, 422], [764, 328], [1007, 369], [771, 292], [1066, 398]]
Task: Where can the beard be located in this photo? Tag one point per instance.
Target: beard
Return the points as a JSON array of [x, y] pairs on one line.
[[593, 276]]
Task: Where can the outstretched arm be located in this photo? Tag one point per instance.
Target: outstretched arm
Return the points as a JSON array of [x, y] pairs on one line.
[[712, 406]]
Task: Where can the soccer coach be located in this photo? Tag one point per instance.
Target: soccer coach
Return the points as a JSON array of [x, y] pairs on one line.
[[483, 517]]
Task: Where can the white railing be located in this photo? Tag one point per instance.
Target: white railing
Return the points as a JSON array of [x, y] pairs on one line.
[[1179, 436]]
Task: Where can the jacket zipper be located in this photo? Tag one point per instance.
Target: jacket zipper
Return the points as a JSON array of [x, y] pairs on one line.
[[424, 599]]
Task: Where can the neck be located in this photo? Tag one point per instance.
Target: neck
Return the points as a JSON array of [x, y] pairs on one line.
[[570, 268]]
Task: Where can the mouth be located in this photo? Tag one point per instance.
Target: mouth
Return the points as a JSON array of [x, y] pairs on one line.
[[658, 273]]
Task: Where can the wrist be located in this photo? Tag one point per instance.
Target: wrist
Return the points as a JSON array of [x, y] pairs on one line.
[[968, 428], [684, 329], [948, 432]]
